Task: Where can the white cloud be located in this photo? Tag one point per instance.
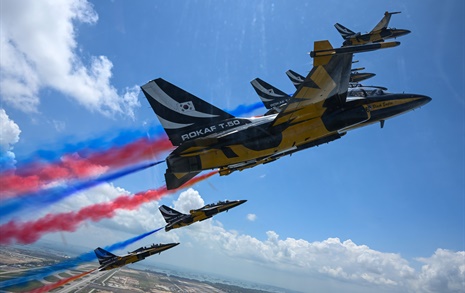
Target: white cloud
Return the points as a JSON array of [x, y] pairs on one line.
[[9, 131], [39, 50], [344, 261], [356, 268], [251, 217], [9, 135], [444, 271], [188, 200]]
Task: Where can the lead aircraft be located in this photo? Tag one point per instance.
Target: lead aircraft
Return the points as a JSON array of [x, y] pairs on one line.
[[379, 33], [207, 137], [175, 219], [110, 261]]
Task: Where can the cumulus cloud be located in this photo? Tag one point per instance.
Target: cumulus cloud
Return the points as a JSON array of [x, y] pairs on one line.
[[444, 271], [39, 50], [331, 259], [9, 135], [345, 260], [188, 200], [251, 217]]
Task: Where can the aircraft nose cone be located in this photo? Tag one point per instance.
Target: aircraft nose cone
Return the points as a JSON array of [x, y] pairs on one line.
[[401, 32], [239, 202], [424, 100]]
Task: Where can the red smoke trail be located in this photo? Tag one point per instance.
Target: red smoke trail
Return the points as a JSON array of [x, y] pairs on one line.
[[29, 232], [35, 176], [50, 287]]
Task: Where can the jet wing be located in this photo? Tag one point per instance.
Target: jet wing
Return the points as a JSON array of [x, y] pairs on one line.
[[384, 22], [324, 87], [201, 211]]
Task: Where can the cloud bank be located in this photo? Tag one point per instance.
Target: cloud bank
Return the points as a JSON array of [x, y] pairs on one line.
[[332, 258]]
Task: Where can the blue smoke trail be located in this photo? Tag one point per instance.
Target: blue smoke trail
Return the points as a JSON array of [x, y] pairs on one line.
[[244, 109], [86, 257], [105, 141], [99, 144], [49, 196]]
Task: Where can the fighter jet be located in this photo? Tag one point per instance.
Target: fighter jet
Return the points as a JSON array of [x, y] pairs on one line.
[[275, 99], [109, 261], [207, 137], [175, 219], [355, 76], [379, 33]]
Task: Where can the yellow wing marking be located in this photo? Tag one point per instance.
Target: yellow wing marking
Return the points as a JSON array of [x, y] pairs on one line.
[[307, 102]]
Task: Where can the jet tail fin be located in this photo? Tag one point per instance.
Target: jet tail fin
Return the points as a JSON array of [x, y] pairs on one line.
[[384, 22], [270, 96], [345, 32], [296, 78], [180, 112], [102, 255], [169, 214]]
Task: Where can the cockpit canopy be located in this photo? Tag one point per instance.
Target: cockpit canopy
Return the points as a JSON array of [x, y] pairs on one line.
[[365, 92]]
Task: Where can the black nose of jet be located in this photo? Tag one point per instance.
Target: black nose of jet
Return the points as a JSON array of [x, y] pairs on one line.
[[423, 100], [400, 32]]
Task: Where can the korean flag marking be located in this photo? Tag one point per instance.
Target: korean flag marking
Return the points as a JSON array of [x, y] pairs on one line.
[[186, 107]]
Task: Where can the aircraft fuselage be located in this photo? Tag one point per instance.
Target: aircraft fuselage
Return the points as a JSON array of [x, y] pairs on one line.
[[203, 213], [119, 261], [376, 36], [251, 144]]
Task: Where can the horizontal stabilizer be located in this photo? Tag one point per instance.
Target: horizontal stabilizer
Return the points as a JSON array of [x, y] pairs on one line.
[[176, 180]]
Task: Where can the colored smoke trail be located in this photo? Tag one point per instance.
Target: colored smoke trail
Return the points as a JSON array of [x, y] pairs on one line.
[[83, 258], [34, 176], [49, 196], [244, 109], [107, 142], [29, 232], [60, 283], [90, 158], [101, 144]]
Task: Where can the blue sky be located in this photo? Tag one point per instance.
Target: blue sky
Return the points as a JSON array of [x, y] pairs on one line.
[[370, 210]]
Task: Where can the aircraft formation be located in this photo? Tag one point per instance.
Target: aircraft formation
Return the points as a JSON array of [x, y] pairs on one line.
[[174, 219], [322, 109], [327, 103]]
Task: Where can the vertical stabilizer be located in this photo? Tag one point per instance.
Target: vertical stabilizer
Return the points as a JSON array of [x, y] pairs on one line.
[[180, 112], [169, 214], [103, 256], [345, 32]]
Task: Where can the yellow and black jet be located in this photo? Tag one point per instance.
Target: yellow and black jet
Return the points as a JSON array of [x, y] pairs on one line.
[[109, 261], [380, 32], [275, 99], [207, 137], [175, 219]]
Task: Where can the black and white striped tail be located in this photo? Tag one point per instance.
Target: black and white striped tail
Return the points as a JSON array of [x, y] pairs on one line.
[[180, 112], [345, 32], [270, 95], [296, 78]]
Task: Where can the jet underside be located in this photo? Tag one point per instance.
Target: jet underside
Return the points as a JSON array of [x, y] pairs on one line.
[[262, 145]]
